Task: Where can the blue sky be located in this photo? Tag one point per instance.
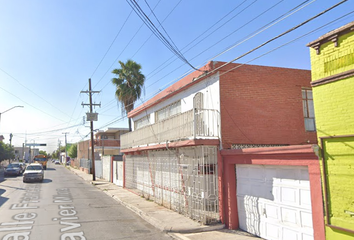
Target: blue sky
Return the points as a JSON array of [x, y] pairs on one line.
[[49, 50]]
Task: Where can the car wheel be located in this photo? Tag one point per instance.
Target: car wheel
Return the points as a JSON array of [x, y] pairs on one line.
[[24, 180]]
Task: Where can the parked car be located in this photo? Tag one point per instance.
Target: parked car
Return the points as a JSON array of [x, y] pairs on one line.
[[33, 172], [13, 169], [57, 162], [20, 165]]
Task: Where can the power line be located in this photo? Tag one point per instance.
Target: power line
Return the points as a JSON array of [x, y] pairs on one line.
[[265, 27], [141, 14], [139, 47], [239, 5], [110, 46], [208, 48], [36, 94], [278, 36], [31, 105], [291, 41]]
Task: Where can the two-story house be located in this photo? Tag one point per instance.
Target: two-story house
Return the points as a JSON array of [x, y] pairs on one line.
[[174, 153], [106, 143]]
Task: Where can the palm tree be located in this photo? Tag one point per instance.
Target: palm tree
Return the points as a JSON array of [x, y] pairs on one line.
[[129, 83]]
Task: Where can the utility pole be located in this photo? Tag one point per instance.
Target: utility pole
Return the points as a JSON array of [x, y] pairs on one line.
[[11, 135], [91, 117], [59, 149], [66, 152]]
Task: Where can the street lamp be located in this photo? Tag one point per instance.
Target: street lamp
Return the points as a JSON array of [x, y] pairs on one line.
[[9, 110]]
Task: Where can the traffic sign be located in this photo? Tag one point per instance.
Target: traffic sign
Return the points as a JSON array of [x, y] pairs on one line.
[[35, 144]]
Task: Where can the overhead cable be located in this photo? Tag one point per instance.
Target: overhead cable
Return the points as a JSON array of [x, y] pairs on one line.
[[278, 36], [141, 14]]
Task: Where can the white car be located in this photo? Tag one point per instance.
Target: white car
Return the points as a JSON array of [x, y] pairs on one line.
[[33, 172]]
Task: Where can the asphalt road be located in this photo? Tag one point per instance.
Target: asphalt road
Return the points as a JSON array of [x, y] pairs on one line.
[[67, 208]]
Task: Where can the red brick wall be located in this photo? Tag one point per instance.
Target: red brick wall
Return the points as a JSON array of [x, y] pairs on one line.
[[263, 105], [107, 142], [83, 149]]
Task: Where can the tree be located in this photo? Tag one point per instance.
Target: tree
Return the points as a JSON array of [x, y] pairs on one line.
[[6, 151], [56, 153], [129, 83], [43, 152], [73, 151]]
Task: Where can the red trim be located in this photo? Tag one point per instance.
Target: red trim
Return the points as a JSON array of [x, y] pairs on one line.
[[187, 143], [221, 187]]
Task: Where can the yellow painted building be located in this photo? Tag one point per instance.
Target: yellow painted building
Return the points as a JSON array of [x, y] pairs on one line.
[[332, 63]]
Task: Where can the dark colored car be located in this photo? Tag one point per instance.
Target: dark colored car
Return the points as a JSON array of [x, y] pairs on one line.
[[13, 169]]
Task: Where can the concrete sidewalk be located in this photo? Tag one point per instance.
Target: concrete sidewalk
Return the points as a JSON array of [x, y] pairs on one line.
[[176, 225]]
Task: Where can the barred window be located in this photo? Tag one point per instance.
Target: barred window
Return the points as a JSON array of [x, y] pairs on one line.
[[142, 122], [168, 111]]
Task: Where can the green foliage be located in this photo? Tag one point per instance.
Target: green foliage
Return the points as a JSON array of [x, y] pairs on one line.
[[6, 151], [129, 84], [43, 152], [73, 151], [56, 153]]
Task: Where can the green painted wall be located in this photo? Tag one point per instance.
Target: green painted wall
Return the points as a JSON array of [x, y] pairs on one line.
[[334, 113], [333, 60]]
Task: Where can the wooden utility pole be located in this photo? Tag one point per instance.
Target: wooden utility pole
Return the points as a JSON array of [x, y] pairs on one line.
[[91, 117], [66, 151]]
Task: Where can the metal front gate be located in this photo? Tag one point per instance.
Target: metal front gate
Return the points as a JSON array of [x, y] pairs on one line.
[[182, 179]]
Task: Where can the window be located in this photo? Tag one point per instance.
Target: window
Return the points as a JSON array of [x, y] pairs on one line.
[[142, 122], [309, 112], [168, 111]]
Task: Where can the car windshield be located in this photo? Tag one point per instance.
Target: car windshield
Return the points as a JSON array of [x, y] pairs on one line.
[[13, 165], [34, 168]]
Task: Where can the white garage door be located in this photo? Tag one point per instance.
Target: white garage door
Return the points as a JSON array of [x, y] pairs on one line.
[[274, 202]]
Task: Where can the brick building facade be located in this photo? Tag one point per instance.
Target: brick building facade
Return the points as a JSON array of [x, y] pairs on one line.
[[262, 105]]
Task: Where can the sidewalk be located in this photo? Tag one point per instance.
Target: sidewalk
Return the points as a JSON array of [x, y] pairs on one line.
[[176, 225]]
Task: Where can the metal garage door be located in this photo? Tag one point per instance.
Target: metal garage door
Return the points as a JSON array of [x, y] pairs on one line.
[[274, 202]]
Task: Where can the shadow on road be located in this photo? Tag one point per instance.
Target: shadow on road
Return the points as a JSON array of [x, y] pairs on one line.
[[44, 181], [3, 200], [47, 181], [50, 169], [2, 191]]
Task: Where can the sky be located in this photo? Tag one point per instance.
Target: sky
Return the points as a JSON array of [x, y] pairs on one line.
[[50, 49]]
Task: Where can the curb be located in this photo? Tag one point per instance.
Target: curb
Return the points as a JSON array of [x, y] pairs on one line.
[[160, 224]]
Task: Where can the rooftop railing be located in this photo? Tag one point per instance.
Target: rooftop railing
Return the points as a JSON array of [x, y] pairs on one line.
[[193, 124]]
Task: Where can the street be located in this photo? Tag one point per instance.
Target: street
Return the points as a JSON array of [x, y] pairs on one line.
[[64, 207]]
